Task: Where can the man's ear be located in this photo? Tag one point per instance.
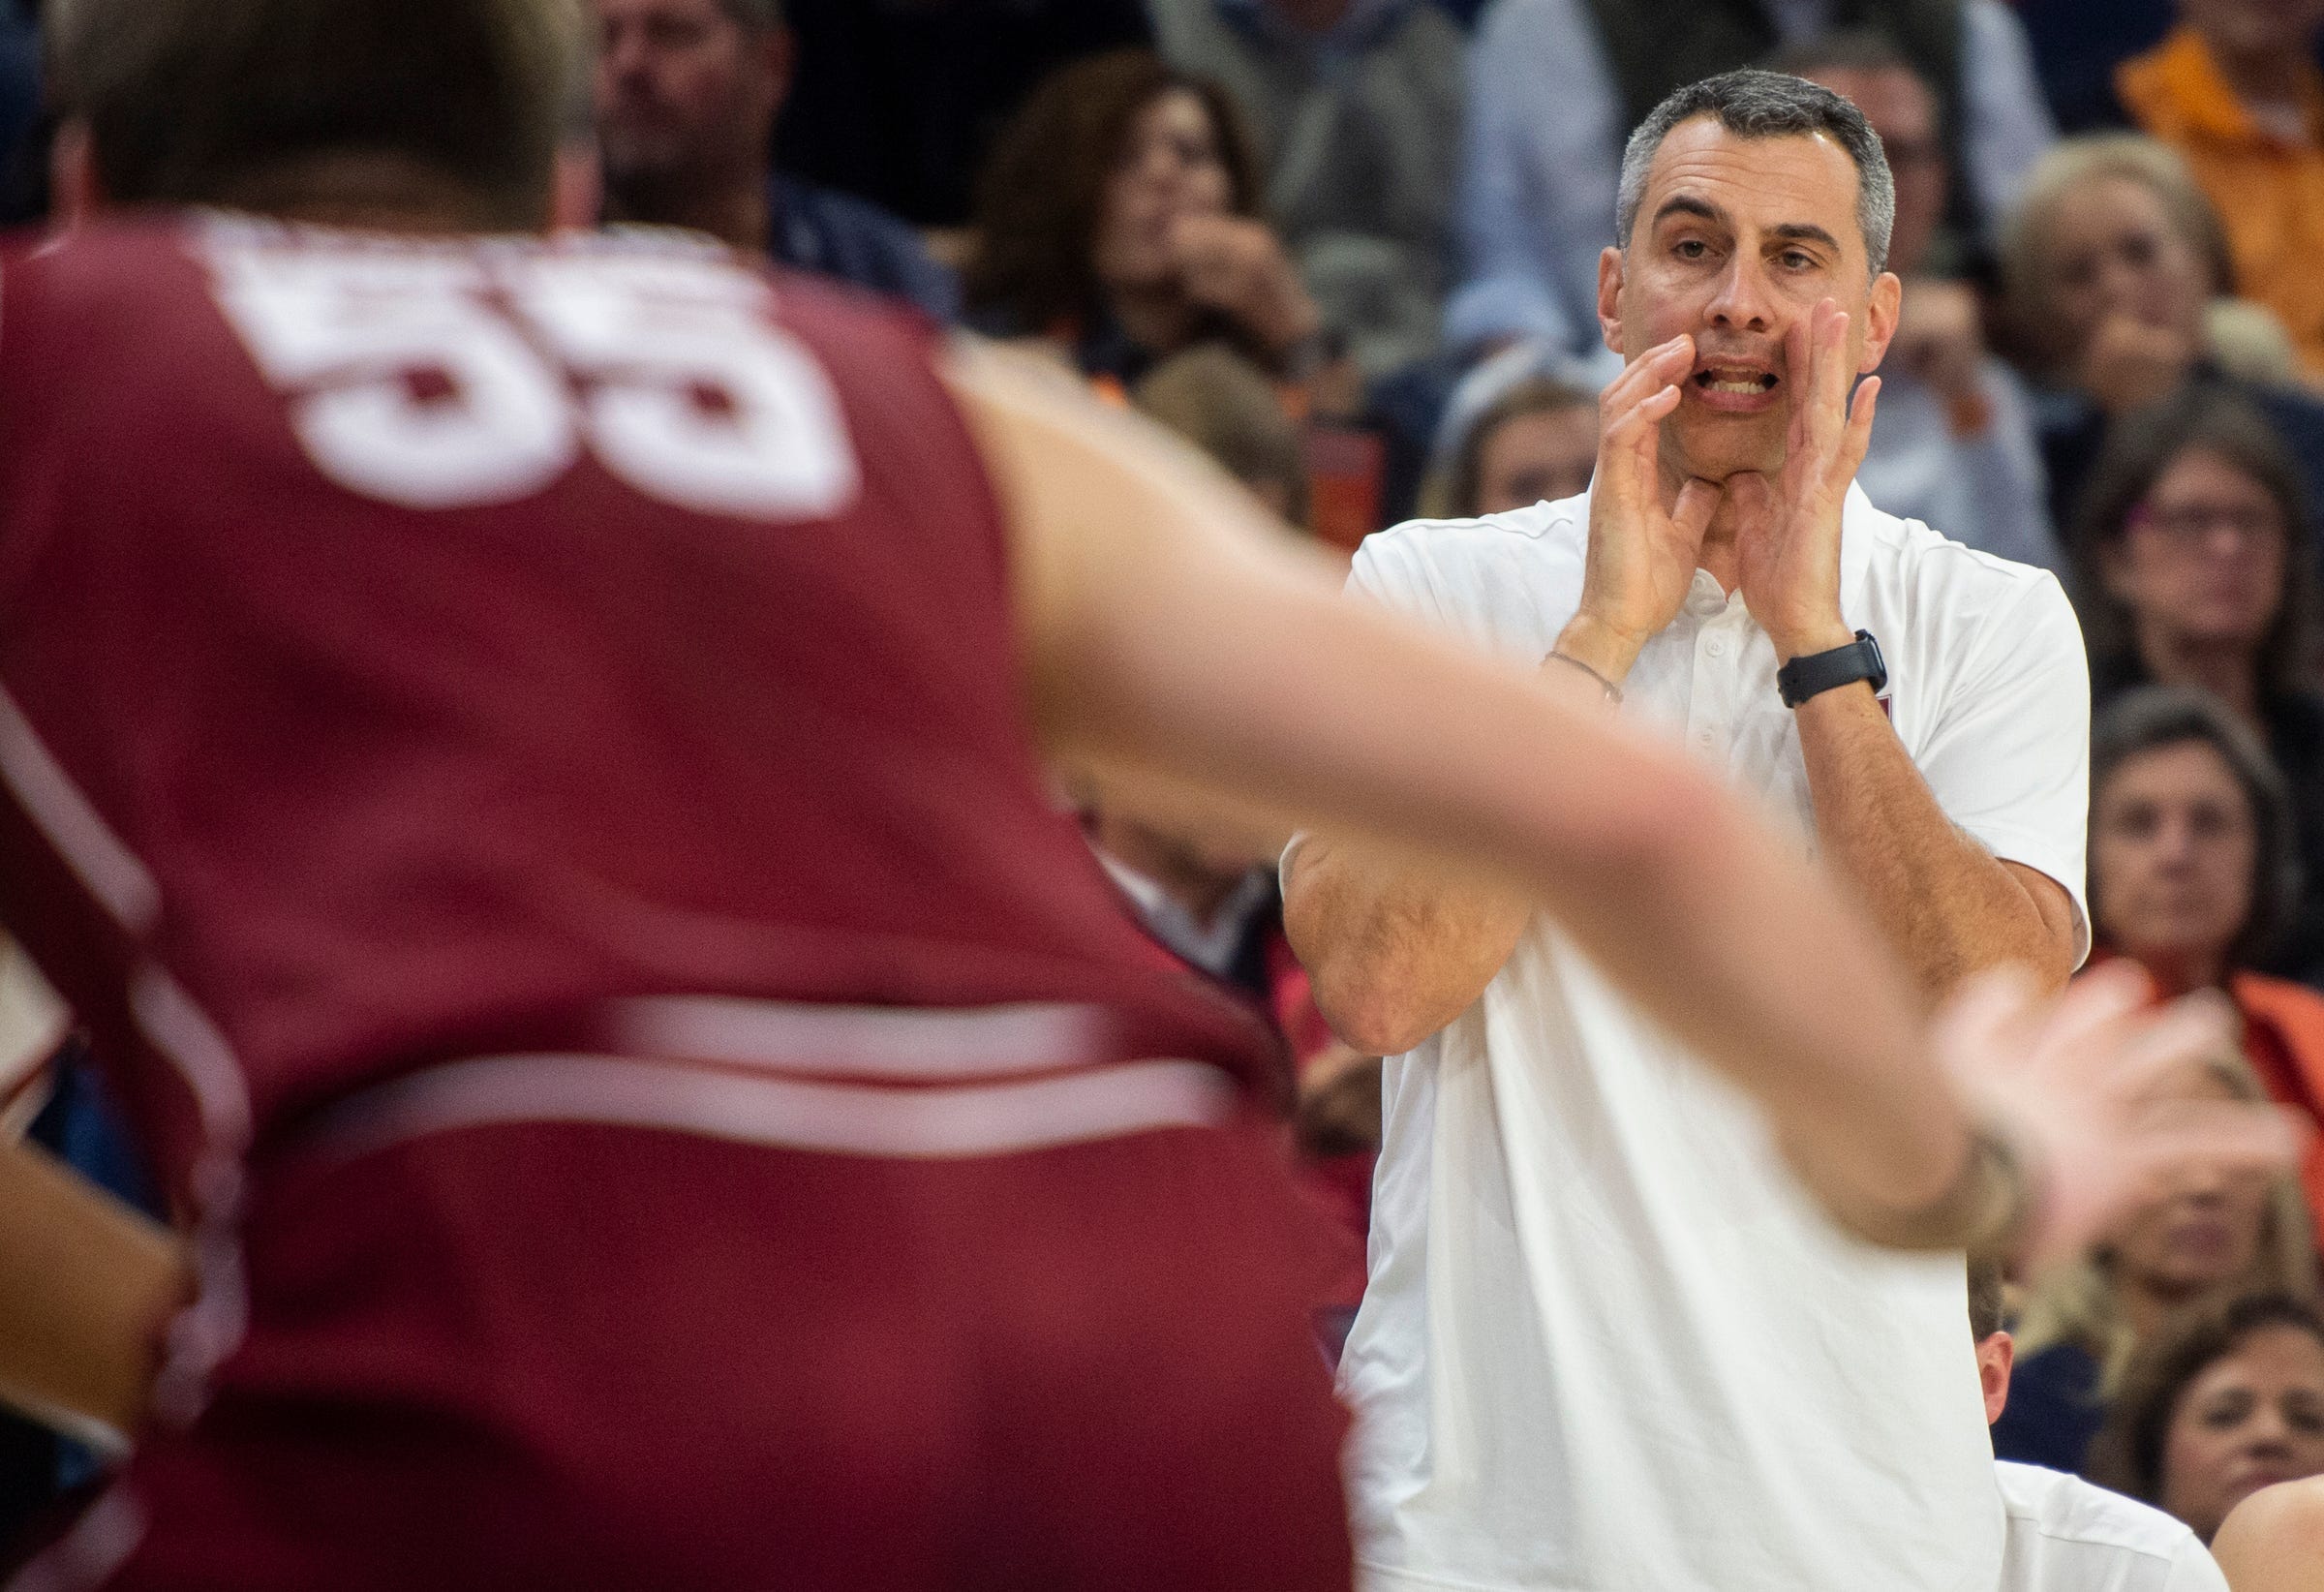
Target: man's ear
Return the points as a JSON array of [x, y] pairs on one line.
[[75, 194], [576, 188], [1880, 314], [1610, 298], [1997, 1357]]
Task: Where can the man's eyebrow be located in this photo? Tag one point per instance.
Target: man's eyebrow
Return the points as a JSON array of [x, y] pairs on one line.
[[1800, 231], [1687, 205]]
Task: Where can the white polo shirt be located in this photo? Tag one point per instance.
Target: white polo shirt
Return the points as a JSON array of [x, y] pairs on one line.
[[2068, 1536], [1608, 1344]]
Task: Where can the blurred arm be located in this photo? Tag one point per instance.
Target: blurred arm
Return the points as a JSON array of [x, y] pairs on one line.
[[1171, 637]]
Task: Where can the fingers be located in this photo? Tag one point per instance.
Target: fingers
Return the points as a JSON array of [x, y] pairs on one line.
[[2233, 1137], [1659, 367], [1859, 440], [2129, 1059], [1698, 502]]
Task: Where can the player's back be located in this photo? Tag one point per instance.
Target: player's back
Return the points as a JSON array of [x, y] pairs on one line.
[[418, 648]]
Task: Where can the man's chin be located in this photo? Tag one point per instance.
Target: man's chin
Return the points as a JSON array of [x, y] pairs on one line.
[[1716, 447]]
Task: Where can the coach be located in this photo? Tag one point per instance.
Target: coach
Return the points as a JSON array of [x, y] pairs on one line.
[[1607, 1343]]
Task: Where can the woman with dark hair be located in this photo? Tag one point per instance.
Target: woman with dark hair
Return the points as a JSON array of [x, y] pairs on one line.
[[2229, 1401], [2197, 565], [2189, 870], [1118, 218]]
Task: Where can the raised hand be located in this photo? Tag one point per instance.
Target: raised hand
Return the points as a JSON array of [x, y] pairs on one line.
[[2072, 1087], [1641, 555], [1788, 530], [1237, 266]]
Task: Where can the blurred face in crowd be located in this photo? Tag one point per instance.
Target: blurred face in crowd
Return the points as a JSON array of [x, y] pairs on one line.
[[1170, 168], [684, 91], [2253, 29], [2250, 1420], [2201, 560], [2111, 252], [1904, 113], [2172, 849], [1736, 243], [2204, 1229], [1538, 457]]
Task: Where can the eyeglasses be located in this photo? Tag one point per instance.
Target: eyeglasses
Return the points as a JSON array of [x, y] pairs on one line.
[[2192, 525]]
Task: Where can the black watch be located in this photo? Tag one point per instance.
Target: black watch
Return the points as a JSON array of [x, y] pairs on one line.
[[1816, 673]]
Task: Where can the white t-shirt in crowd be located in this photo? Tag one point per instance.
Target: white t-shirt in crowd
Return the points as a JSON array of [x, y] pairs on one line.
[[2068, 1536], [1609, 1345]]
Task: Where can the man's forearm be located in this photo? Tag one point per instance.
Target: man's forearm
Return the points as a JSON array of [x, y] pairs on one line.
[[1945, 903], [1397, 950]]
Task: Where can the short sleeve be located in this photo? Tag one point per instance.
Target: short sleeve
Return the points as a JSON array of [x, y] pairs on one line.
[[2008, 756], [2194, 1569]]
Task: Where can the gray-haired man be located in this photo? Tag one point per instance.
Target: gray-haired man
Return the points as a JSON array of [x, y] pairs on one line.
[[1606, 1344]]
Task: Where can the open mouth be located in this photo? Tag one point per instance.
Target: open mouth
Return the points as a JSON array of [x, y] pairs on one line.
[[1740, 380]]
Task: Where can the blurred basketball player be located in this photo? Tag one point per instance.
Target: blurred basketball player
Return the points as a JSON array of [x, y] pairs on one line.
[[518, 750]]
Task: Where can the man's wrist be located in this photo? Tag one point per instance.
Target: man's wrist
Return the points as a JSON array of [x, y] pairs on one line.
[[1597, 647], [1811, 639]]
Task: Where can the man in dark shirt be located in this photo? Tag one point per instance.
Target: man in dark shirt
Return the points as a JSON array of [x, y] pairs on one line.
[[686, 96]]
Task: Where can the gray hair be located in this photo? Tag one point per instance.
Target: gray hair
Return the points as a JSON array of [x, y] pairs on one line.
[[1752, 104]]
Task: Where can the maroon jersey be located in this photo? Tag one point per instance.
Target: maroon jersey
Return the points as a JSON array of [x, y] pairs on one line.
[[416, 650]]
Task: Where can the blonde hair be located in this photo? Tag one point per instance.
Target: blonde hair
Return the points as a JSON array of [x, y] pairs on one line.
[[2071, 165], [2080, 1303]]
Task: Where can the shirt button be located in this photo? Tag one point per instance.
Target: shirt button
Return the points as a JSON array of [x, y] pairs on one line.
[[1702, 737], [1717, 647]]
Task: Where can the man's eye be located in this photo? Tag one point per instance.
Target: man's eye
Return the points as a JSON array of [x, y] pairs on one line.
[[1690, 248], [1797, 259]]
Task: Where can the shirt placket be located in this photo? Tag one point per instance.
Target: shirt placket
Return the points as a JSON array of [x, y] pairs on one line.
[[1720, 635]]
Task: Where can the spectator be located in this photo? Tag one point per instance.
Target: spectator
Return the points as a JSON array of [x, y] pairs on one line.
[[2065, 1535], [686, 96], [2227, 1402], [1119, 220], [2197, 560], [1534, 439], [2206, 1237], [1554, 83], [2191, 866], [1226, 406], [1356, 104], [2236, 91], [2078, 46], [1952, 443], [901, 100], [2114, 268]]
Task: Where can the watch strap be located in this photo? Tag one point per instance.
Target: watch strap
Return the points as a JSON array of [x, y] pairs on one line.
[[1814, 673]]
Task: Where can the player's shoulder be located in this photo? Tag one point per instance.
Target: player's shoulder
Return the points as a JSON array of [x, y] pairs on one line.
[[2064, 1508]]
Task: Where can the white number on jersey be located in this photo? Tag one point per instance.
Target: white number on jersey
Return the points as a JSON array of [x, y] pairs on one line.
[[441, 378]]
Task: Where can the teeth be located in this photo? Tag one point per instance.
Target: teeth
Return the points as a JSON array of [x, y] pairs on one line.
[[1752, 387]]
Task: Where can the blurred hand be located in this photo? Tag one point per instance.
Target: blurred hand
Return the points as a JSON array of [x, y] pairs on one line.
[[1788, 530], [2130, 365], [2072, 1088], [1237, 266], [1941, 339], [1642, 558]]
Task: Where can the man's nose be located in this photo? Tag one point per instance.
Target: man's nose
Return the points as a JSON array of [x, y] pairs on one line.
[[1742, 301]]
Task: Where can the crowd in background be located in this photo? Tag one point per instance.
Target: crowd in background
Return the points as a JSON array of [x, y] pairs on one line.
[[1349, 249]]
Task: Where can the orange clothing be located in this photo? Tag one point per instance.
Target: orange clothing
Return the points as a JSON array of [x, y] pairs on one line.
[[2270, 192], [2284, 1035]]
